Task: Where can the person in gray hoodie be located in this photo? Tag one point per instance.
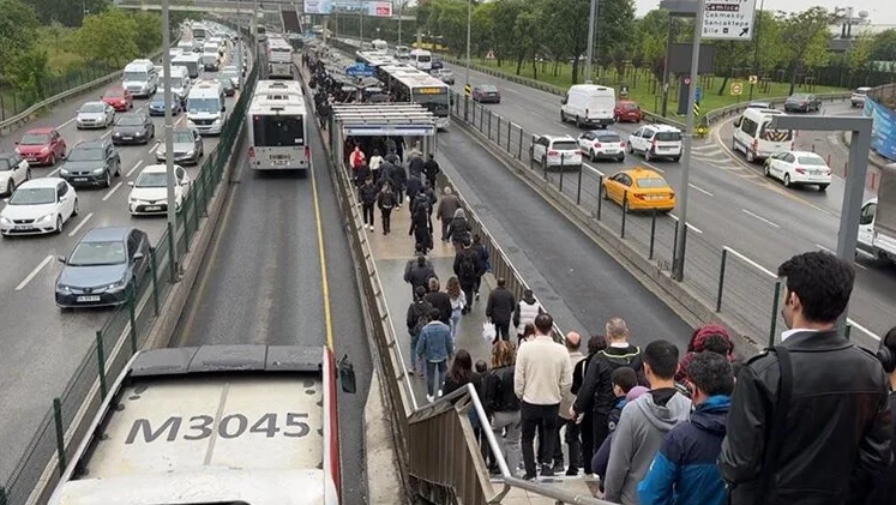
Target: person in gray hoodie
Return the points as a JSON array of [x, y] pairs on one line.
[[644, 423]]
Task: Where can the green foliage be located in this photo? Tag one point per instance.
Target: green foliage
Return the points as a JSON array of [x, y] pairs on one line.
[[17, 25], [884, 46], [28, 71], [148, 35], [67, 12], [108, 37], [858, 56]]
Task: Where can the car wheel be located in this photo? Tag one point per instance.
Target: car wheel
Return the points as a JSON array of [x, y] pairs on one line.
[[733, 145], [52, 159], [750, 156], [10, 187], [578, 122], [621, 159], [767, 170], [118, 168], [58, 229], [676, 159], [787, 180], [75, 208], [108, 182], [28, 175], [631, 150], [647, 156], [822, 187], [562, 117]]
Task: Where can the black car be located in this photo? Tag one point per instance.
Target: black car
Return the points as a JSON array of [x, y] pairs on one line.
[[188, 148], [104, 268], [801, 102], [156, 106], [91, 163], [229, 88], [133, 128]]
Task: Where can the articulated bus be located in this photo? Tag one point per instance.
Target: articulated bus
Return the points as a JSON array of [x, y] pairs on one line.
[[223, 424], [408, 84], [279, 53], [278, 126]]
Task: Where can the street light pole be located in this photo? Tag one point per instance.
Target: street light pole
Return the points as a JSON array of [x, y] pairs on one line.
[[589, 55], [678, 257], [469, 29], [400, 15], [756, 54], [239, 43], [169, 140]]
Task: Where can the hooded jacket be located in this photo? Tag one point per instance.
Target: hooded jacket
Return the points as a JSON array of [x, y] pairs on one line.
[[526, 312], [642, 427], [447, 207], [698, 339], [459, 228], [684, 470]]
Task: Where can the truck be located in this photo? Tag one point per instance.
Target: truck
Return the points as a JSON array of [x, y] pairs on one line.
[[252, 424], [877, 222]]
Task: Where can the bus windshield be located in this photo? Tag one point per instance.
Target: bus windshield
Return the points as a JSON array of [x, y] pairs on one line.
[[209, 105], [438, 104], [278, 131]]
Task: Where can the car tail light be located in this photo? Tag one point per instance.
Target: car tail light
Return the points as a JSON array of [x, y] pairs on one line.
[[653, 144], [597, 144], [552, 153], [637, 196], [754, 146], [672, 195], [829, 172], [251, 152], [622, 144], [577, 152], [307, 152], [801, 170]]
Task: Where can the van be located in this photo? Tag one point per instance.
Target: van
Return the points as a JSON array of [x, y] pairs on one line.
[[210, 57], [191, 62], [140, 78], [421, 59], [179, 82], [588, 105], [756, 139], [206, 111]]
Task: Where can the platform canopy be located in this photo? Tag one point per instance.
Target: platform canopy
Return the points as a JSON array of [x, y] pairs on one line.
[[384, 119]]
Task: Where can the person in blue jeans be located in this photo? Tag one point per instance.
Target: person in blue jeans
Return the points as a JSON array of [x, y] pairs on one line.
[[435, 346]]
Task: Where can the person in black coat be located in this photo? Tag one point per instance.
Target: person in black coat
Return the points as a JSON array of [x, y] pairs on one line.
[[500, 307], [386, 202], [439, 300], [362, 173], [459, 232], [419, 274], [431, 169], [368, 195], [484, 256], [467, 267], [421, 229], [415, 185], [399, 181], [885, 485]]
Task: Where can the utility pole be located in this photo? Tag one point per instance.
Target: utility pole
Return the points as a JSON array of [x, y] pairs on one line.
[[666, 64], [589, 56], [400, 15], [469, 28], [169, 140], [756, 54], [239, 43]]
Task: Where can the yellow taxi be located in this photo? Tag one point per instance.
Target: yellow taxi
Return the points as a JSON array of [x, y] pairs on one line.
[[645, 189]]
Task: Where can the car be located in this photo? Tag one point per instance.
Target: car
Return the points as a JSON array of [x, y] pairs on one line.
[[156, 106], [858, 96], [14, 170], [230, 72], [639, 189], [103, 269], [227, 85], [801, 102], [602, 145], [39, 206], [92, 163], [188, 147], [150, 193], [627, 110], [445, 75], [798, 168], [436, 64], [556, 151], [41, 146], [656, 141], [133, 128], [95, 115], [486, 93], [761, 105], [119, 98]]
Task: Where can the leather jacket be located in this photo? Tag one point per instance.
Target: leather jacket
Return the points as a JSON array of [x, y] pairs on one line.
[[498, 391], [838, 425]]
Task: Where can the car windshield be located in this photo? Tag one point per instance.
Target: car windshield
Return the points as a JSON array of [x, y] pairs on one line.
[[203, 105], [106, 252], [798, 97], [565, 145], [33, 196], [130, 121], [488, 89], [229, 74], [134, 76], [630, 106], [114, 93], [152, 180], [182, 137], [35, 139], [92, 108], [652, 182], [86, 154], [612, 137], [668, 136], [811, 160]]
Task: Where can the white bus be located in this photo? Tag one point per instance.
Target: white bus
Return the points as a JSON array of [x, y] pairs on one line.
[[224, 424], [422, 59], [279, 53], [199, 31], [278, 127], [408, 84]]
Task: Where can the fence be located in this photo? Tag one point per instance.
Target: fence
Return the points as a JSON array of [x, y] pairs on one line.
[[123, 334]]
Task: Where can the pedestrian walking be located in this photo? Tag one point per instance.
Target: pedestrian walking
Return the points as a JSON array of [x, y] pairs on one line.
[[567, 423], [459, 229], [467, 267], [431, 170], [356, 158], [448, 205], [502, 405], [440, 301], [435, 348], [500, 307], [414, 186], [376, 162], [526, 311], [368, 195], [421, 229], [362, 174], [419, 272], [585, 419], [386, 202], [417, 317], [486, 264], [415, 163], [458, 303]]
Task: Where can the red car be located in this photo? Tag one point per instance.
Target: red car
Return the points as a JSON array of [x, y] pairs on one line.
[[626, 110], [41, 146], [119, 98]]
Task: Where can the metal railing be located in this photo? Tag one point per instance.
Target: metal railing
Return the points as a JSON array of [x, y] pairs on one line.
[[123, 334]]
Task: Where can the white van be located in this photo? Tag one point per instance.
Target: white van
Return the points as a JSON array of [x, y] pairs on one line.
[[179, 81], [210, 57], [421, 59], [588, 105], [206, 111], [753, 136], [140, 78]]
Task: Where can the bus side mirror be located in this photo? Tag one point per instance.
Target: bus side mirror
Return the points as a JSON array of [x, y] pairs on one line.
[[347, 375]]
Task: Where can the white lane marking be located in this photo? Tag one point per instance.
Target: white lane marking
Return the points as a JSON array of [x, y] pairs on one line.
[[764, 220], [80, 225], [136, 166], [108, 132], [63, 125], [693, 228], [154, 147], [698, 188], [34, 273], [54, 172], [112, 191], [598, 172], [863, 329], [654, 167], [823, 248], [138, 111]]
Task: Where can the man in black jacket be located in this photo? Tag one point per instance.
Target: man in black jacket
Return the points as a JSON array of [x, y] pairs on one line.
[[826, 445], [439, 300], [500, 307], [419, 271], [431, 170], [467, 267]]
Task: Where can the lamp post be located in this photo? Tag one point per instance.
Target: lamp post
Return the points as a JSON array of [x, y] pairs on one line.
[[756, 54], [469, 29], [169, 140], [239, 43], [589, 54]]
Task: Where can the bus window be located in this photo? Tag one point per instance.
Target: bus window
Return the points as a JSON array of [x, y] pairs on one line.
[[278, 131]]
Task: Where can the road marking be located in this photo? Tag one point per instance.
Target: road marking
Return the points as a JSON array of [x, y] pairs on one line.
[[654, 167], [859, 265], [325, 286], [692, 227], [80, 225], [863, 329], [136, 166], [764, 220], [63, 125], [153, 148], [112, 191], [108, 132], [823, 248], [54, 172], [34, 273], [598, 172], [138, 111], [698, 188]]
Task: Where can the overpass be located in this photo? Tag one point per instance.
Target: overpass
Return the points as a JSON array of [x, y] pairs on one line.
[[224, 6]]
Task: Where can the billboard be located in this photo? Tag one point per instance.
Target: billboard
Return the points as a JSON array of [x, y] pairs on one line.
[[883, 133], [378, 9]]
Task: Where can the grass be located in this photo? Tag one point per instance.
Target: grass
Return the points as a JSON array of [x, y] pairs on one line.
[[644, 88]]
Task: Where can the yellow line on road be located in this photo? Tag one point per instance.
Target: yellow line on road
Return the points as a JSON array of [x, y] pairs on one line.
[[324, 283]]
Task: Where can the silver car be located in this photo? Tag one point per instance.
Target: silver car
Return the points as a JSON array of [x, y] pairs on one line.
[[188, 148], [95, 115]]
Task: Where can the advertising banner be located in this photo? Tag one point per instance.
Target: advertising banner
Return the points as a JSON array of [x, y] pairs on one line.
[[377, 9], [883, 132]]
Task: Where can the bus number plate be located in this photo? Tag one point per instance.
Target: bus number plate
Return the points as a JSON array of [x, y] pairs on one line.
[[201, 427]]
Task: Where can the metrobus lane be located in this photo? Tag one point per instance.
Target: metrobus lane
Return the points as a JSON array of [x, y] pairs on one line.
[[42, 346]]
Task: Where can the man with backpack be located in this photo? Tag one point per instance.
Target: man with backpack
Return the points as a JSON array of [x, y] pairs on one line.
[[419, 274], [386, 201], [499, 308], [418, 316], [467, 266], [431, 170]]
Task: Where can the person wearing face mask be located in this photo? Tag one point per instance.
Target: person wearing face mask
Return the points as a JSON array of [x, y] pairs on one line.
[[809, 421], [885, 486]]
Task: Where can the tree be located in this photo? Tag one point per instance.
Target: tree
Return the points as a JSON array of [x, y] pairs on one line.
[[528, 33], [650, 48], [884, 46], [148, 36], [572, 40], [68, 12], [108, 37], [857, 57], [614, 35], [18, 23], [806, 43], [483, 30], [506, 12], [28, 71]]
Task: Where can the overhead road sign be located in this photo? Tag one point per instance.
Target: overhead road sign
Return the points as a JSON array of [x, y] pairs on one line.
[[729, 19], [378, 9]]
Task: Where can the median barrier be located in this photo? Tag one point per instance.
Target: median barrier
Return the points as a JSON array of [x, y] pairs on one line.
[[133, 326]]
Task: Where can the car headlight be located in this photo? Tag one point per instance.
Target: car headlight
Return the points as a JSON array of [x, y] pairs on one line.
[[99, 170], [63, 287], [218, 121], [140, 134], [116, 285], [46, 219], [116, 134], [45, 149], [5, 220], [63, 171], [190, 154]]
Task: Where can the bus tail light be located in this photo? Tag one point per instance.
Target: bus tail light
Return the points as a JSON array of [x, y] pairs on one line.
[[801, 171], [251, 152], [307, 152]]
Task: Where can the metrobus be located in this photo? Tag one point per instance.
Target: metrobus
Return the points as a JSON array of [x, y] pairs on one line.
[[199, 31], [278, 127], [225, 424], [279, 53], [409, 84]]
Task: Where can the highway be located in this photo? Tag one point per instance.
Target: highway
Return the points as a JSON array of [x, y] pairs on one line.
[[42, 347], [731, 204]]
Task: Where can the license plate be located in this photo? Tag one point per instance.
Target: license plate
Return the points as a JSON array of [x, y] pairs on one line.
[[281, 163], [127, 138], [90, 298], [151, 208], [611, 150], [80, 179], [24, 227]]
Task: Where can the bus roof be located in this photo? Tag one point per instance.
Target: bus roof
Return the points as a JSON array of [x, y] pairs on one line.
[[412, 77]]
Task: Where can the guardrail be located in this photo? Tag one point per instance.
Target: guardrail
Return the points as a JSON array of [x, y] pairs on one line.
[[124, 333], [22, 117]]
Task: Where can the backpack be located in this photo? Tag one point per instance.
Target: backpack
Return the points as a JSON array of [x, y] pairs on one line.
[[421, 201], [422, 310], [467, 266]]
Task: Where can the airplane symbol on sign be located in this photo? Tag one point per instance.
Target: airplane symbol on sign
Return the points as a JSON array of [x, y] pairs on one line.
[[744, 31]]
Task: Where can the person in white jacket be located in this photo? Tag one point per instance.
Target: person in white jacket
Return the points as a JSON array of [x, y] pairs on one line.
[[526, 311]]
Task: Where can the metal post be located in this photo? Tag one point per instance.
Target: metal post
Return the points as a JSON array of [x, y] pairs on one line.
[[239, 44], [101, 362], [498, 136], [153, 269], [480, 116], [519, 154], [665, 89], [469, 29], [400, 15], [579, 188], [562, 169], [169, 121], [132, 312], [361, 27], [600, 199], [490, 124], [678, 266], [652, 233], [466, 108], [756, 54], [624, 213], [675, 242], [172, 256], [772, 329], [60, 437], [721, 279], [589, 54]]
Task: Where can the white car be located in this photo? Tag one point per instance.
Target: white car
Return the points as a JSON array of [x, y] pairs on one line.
[[230, 72], [556, 151], [602, 145], [95, 115], [656, 141], [150, 193], [39, 206], [14, 170], [799, 168], [858, 96]]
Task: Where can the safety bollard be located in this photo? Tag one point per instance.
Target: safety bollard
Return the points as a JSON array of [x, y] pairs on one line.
[[101, 362], [674, 241], [772, 329], [498, 136], [489, 124], [721, 279], [481, 113], [579, 188], [562, 169], [155, 279], [172, 253], [600, 199], [652, 233], [466, 109], [509, 130], [624, 213], [519, 155], [60, 437], [132, 313]]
